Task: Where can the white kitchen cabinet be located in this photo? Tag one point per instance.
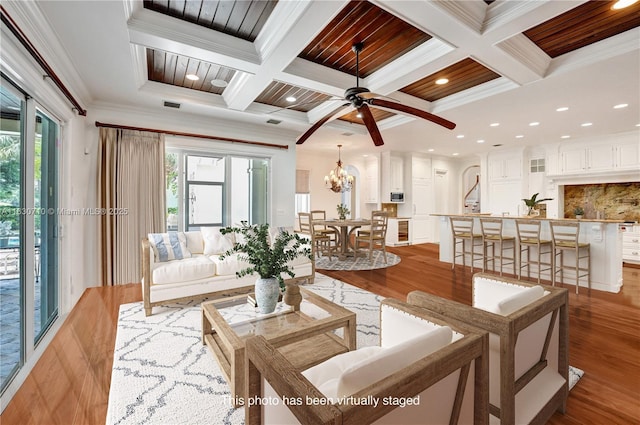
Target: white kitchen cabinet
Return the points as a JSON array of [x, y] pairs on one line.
[[397, 174], [421, 169], [589, 159], [505, 167], [421, 228], [371, 180], [398, 232], [631, 244], [627, 156]]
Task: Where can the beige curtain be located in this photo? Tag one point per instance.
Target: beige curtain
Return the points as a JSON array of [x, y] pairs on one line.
[[132, 196]]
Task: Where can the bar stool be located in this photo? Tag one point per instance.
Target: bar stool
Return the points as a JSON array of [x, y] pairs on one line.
[[528, 232], [462, 231], [492, 236], [566, 235]]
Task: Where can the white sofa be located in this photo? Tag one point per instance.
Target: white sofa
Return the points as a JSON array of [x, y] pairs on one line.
[[184, 266]]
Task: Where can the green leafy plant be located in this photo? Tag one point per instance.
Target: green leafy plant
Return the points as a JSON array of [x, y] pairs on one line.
[[342, 211], [533, 201], [578, 211], [266, 259]]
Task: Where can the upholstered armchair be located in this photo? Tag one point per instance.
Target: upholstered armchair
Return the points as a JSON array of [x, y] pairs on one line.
[[528, 344], [425, 371]]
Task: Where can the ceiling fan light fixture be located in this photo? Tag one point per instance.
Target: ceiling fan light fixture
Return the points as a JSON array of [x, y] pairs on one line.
[[621, 4], [441, 81], [192, 77]]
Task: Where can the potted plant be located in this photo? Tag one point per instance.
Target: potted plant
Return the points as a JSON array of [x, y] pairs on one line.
[[579, 212], [342, 211], [533, 201], [268, 260]]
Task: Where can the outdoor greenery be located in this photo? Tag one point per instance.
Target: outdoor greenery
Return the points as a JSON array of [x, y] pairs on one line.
[[531, 203], [9, 179], [266, 259]]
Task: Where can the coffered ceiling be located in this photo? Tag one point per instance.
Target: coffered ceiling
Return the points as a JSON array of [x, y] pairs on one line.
[[507, 62]]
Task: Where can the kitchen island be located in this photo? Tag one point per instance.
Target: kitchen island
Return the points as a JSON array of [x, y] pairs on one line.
[[603, 235]]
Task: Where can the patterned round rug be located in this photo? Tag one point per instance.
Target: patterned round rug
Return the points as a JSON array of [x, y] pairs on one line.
[[360, 263]]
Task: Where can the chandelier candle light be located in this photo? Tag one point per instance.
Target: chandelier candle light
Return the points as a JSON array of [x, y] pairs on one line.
[[338, 179]]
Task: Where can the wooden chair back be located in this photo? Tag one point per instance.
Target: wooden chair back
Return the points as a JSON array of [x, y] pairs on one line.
[[304, 219], [565, 234], [528, 230], [462, 227], [491, 228]]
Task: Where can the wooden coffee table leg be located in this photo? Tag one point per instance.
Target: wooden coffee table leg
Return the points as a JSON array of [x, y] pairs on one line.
[[236, 380], [349, 333]]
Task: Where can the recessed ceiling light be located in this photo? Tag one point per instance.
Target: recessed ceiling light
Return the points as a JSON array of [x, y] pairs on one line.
[[494, 124], [192, 77], [566, 136], [480, 141], [460, 136], [586, 124], [455, 154], [562, 109], [441, 81], [219, 83], [365, 155], [430, 150], [519, 136], [621, 4], [620, 106], [533, 124], [291, 99], [359, 115], [638, 125]]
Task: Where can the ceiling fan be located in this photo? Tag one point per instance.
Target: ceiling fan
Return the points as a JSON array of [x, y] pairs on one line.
[[361, 98]]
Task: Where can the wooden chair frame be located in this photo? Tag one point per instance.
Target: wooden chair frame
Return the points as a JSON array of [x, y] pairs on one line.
[[321, 243], [566, 237], [375, 236], [528, 232], [492, 236], [461, 233], [264, 360], [507, 329]]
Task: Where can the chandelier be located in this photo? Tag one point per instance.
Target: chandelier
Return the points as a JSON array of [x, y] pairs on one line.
[[338, 179]]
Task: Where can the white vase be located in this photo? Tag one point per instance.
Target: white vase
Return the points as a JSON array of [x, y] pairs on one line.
[[267, 293]]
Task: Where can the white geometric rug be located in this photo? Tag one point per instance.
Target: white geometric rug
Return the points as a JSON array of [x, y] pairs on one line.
[[358, 263], [162, 374]]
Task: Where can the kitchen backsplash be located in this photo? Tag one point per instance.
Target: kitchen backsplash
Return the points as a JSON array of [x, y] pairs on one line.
[[614, 201], [392, 209]]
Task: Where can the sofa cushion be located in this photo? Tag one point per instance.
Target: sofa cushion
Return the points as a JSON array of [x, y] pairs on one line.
[[185, 270], [516, 301], [169, 246], [215, 242], [230, 265], [274, 231], [195, 242]]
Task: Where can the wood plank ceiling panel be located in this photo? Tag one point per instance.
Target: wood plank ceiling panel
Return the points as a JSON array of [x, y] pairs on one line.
[[276, 93], [461, 75], [583, 25], [378, 115], [385, 38], [240, 18], [169, 68]]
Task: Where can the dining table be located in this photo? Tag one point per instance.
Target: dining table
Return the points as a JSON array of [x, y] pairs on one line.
[[345, 229]]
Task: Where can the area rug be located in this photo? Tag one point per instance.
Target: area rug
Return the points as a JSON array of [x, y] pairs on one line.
[[162, 374], [359, 263]]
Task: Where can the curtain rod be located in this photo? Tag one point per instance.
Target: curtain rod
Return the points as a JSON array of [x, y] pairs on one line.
[[196, 135], [22, 38]]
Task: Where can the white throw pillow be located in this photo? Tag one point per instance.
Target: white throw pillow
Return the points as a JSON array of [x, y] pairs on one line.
[[169, 246], [215, 242], [516, 301], [195, 243], [390, 360]]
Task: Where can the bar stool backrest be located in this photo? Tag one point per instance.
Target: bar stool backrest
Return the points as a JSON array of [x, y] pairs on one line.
[[461, 226], [491, 228], [528, 230], [565, 234]]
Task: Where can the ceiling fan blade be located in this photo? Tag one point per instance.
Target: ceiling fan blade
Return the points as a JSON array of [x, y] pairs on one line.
[[370, 122], [320, 122], [413, 111]]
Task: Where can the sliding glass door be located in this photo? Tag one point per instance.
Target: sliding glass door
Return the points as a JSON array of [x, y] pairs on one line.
[[28, 227]]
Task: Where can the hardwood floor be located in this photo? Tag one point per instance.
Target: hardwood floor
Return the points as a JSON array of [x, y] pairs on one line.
[[70, 383]]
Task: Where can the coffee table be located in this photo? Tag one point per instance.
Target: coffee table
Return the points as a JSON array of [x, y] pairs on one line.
[[306, 337]]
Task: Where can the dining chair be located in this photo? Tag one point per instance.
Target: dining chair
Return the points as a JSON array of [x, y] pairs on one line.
[[322, 228], [374, 237], [322, 244]]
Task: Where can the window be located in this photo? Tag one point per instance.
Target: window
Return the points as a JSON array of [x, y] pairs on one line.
[[537, 165], [303, 197], [210, 189]]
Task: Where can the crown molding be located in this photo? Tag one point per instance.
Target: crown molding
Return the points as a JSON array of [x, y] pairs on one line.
[[32, 21], [158, 31], [488, 89], [521, 48], [470, 13]]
